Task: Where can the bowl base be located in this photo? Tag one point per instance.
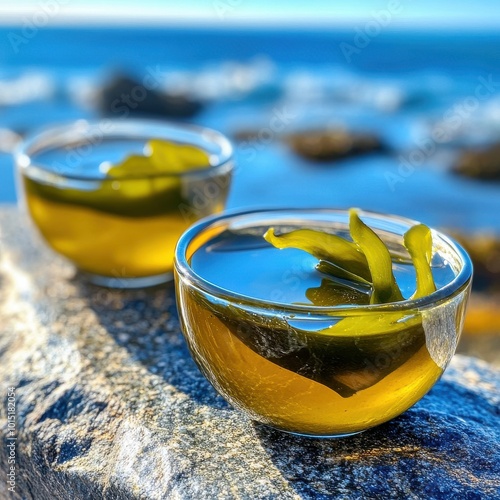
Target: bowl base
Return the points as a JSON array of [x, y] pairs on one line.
[[333, 436], [126, 283], [312, 436]]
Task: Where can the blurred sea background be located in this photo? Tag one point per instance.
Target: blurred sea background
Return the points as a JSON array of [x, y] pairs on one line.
[[424, 96], [400, 87]]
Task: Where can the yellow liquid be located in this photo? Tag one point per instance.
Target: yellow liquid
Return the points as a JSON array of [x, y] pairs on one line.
[[289, 401], [107, 243]]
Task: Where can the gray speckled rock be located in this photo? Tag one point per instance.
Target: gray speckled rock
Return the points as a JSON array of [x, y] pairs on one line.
[[110, 405]]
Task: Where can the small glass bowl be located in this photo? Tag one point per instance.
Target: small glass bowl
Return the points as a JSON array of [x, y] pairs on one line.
[[286, 366], [121, 232]]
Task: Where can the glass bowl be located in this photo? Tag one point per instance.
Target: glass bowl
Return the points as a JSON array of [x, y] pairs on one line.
[[306, 369], [121, 232]]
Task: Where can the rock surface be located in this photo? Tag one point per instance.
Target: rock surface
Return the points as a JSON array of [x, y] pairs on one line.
[[484, 250], [333, 144], [480, 163], [110, 405]]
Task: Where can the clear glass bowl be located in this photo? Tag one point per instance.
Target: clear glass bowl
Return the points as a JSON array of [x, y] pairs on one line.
[[121, 231], [308, 369]]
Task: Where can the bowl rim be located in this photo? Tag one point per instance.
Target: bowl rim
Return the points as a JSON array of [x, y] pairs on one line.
[[184, 270], [119, 128]]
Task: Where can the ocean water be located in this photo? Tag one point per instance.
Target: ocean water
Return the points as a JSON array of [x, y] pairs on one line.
[[401, 85], [83, 49]]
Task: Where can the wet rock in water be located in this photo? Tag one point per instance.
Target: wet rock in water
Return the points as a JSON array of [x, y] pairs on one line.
[[480, 163], [327, 145], [481, 337], [109, 404], [123, 96], [483, 311], [484, 250]]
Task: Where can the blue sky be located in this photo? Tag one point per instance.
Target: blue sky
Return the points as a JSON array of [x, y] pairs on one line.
[[418, 12]]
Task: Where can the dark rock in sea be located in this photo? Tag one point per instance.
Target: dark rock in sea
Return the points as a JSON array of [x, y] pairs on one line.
[[123, 96], [484, 250], [480, 163], [109, 404], [327, 145], [481, 337], [482, 324]]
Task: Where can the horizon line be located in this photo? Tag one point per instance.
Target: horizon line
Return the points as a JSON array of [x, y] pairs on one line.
[[75, 16], [256, 24]]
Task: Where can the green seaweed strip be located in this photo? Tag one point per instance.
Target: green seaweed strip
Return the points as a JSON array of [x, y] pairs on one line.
[[139, 186], [348, 262], [164, 157], [418, 242], [332, 292], [154, 198], [385, 288]]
